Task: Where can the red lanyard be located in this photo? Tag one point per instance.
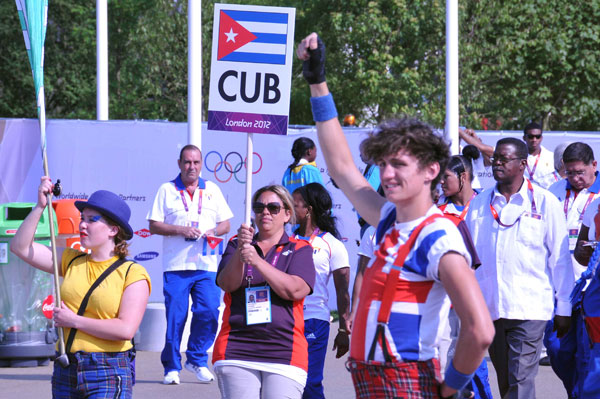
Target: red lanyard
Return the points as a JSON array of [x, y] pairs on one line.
[[532, 171], [556, 176], [273, 263], [465, 209], [533, 207], [568, 197], [185, 205], [314, 235]]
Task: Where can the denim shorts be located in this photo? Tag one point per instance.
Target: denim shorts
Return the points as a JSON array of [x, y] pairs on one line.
[[94, 375]]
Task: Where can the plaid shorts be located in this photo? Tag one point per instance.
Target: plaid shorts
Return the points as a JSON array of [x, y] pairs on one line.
[[406, 380], [93, 375]]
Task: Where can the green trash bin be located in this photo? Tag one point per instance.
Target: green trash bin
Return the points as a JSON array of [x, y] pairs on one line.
[[27, 337]]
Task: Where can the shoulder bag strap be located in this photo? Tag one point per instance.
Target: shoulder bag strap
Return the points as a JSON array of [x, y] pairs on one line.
[[390, 289], [86, 298], [73, 260]]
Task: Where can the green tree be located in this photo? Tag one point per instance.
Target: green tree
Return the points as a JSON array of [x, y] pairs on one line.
[[384, 57], [69, 82], [534, 59]]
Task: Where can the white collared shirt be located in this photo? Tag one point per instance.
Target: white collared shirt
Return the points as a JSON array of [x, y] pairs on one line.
[[168, 207], [577, 203], [525, 266], [543, 175]]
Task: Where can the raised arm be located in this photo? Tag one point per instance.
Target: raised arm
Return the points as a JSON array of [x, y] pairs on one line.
[[23, 245], [469, 137], [333, 143]]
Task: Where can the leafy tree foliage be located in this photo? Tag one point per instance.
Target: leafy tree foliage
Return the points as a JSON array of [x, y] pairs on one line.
[[534, 59]]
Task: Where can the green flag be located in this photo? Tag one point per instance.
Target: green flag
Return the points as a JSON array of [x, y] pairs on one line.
[[33, 15]]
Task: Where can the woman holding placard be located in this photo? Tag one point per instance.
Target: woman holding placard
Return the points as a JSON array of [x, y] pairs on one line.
[[261, 348]]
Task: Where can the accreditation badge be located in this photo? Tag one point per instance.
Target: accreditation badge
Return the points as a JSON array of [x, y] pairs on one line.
[[573, 234], [258, 305]]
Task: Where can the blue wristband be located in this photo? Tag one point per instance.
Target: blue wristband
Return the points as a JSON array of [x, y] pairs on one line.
[[455, 379], [323, 108]]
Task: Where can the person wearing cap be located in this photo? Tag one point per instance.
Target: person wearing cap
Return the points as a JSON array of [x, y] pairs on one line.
[[190, 213], [520, 234], [540, 161], [100, 354]]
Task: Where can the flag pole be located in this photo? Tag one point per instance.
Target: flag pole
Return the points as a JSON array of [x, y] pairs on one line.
[[249, 156], [62, 358], [33, 16]]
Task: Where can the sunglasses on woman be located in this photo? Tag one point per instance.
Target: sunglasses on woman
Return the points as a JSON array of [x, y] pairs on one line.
[[272, 207]]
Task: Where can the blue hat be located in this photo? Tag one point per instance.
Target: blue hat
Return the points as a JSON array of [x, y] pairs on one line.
[[111, 205]]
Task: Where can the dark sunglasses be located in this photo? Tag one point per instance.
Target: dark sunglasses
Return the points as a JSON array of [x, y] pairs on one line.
[[533, 136], [272, 207]]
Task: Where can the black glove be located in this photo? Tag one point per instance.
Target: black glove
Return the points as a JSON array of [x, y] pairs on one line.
[[313, 69]]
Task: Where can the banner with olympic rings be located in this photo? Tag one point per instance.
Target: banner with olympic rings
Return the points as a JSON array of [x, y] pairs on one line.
[[232, 165], [133, 158]]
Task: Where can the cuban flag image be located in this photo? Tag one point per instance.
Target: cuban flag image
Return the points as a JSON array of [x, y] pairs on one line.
[[252, 36], [212, 246]]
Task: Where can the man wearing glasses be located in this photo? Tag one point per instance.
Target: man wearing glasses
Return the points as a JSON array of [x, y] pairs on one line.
[[189, 212], [540, 161], [568, 355], [520, 234]]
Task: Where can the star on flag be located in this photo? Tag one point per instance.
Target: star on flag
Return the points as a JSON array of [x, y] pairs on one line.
[[230, 36], [237, 36]]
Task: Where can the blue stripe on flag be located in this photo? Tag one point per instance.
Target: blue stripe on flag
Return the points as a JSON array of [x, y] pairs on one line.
[[270, 38], [418, 261], [405, 332], [252, 16], [255, 58]]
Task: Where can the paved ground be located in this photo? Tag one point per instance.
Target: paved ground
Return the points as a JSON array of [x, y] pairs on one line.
[[34, 382]]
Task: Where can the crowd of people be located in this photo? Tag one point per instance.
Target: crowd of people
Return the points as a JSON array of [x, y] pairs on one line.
[[499, 269]]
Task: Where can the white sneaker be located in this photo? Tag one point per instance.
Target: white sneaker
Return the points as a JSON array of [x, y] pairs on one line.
[[172, 378], [203, 374]]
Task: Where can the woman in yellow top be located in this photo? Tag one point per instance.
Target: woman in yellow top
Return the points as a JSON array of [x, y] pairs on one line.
[[101, 352]]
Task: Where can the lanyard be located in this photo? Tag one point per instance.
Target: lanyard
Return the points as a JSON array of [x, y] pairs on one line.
[[314, 235], [464, 211], [185, 205], [532, 171], [568, 197], [273, 263], [533, 207], [556, 176]]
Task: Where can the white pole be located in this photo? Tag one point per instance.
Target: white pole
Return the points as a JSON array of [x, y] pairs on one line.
[[249, 157], [195, 72], [452, 115], [102, 60]]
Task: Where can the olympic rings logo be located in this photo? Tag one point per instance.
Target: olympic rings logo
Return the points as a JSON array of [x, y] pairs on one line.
[[219, 162]]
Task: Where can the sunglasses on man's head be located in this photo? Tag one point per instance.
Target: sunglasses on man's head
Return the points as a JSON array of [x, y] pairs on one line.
[[272, 207]]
